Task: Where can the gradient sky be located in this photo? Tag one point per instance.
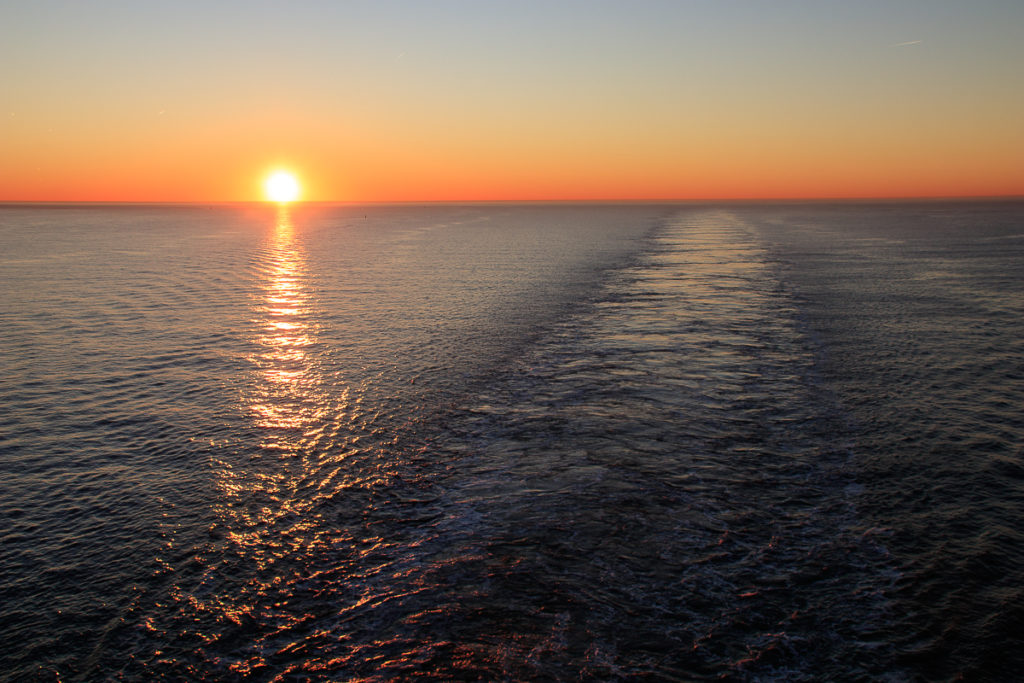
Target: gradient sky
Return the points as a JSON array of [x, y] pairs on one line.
[[385, 101]]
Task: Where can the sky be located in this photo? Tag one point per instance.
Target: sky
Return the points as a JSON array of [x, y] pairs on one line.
[[422, 100]]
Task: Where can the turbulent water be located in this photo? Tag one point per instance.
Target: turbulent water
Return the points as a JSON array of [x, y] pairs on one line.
[[512, 442]]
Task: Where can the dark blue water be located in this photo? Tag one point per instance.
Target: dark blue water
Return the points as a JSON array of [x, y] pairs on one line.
[[512, 442]]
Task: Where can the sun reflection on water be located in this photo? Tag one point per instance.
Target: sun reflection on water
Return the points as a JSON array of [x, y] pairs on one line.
[[298, 547], [266, 525], [287, 396], [262, 514]]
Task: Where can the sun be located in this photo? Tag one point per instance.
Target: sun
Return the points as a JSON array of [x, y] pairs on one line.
[[281, 187]]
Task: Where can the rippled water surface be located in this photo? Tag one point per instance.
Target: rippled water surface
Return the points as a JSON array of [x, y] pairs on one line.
[[512, 442]]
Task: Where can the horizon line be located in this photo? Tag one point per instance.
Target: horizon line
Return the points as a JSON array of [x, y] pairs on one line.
[[691, 200]]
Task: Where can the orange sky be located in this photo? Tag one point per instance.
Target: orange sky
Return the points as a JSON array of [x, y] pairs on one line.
[[392, 101]]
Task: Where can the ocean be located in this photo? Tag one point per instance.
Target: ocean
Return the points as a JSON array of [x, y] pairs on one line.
[[664, 442]]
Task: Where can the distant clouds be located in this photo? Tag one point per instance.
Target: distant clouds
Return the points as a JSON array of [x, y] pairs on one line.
[[909, 42]]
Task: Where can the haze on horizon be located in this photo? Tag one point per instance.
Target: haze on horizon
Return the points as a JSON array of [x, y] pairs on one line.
[[404, 101]]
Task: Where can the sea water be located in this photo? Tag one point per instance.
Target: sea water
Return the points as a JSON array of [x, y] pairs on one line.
[[512, 442]]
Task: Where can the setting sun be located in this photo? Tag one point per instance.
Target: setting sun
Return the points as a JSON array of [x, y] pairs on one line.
[[281, 186]]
